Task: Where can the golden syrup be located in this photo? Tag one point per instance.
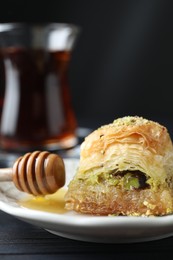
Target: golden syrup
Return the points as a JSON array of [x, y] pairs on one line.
[[53, 203]]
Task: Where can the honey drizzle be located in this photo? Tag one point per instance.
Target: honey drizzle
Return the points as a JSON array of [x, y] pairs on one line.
[[53, 203]]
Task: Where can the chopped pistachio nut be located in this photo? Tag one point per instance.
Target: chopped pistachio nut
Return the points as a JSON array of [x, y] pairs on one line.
[[130, 181]]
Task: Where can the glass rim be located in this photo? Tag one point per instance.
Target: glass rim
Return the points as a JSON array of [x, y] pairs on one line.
[[7, 26]]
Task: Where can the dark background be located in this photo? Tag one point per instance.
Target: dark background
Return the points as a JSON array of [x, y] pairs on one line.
[[122, 63]]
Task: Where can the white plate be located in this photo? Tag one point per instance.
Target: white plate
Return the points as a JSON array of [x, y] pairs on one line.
[[71, 225]]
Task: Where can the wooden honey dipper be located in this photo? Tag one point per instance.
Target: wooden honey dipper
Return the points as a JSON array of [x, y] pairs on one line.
[[37, 173]]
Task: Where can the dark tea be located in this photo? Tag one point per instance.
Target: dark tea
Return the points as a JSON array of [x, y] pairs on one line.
[[36, 110]]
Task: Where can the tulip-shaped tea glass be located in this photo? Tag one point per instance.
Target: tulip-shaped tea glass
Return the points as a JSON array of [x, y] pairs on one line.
[[36, 111]]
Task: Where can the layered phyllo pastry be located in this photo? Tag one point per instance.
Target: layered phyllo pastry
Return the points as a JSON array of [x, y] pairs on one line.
[[125, 168]]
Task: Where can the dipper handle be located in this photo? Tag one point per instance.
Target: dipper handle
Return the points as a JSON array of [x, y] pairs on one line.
[[6, 174]]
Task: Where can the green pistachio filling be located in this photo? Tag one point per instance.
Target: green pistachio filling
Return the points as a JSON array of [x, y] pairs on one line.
[[129, 180]]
